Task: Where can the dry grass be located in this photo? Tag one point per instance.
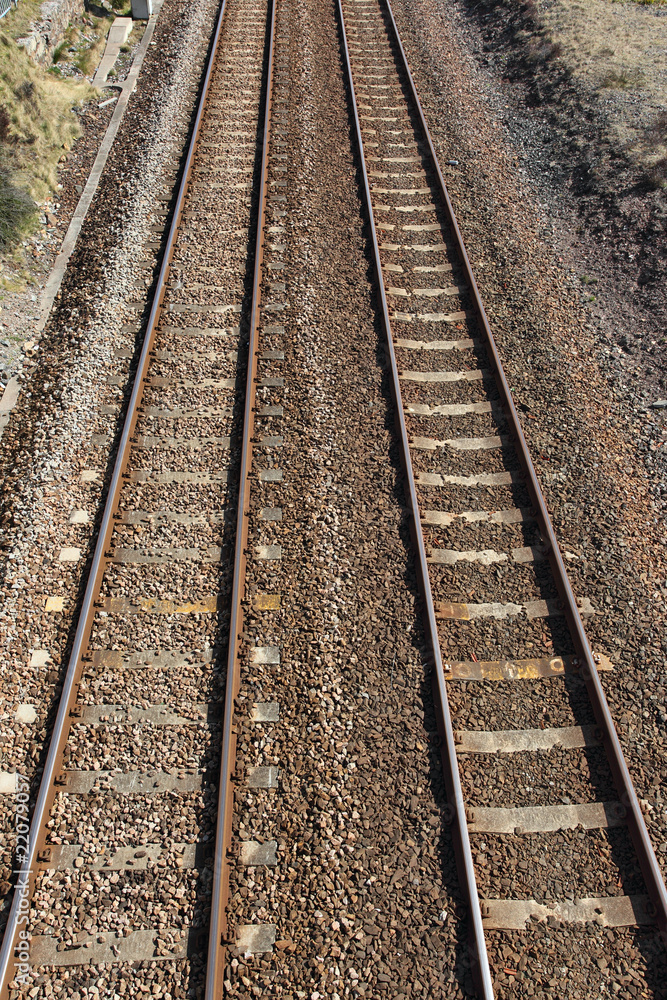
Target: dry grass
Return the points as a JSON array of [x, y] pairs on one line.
[[88, 56], [18, 21], [651, 147], [618, 49], [36, 124]]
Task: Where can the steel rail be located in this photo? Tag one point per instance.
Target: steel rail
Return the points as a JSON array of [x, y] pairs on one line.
[[480, 963], [653, 878], [218, 929], [63, 722]]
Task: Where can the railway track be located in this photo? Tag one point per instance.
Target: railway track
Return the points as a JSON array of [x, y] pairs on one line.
[[156, 847], [427, 287], [143, 713]]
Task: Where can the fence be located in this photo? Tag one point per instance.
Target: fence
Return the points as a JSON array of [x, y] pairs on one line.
[[6, 6]]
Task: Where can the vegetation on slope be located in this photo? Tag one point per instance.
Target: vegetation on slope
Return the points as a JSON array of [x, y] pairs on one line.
[[37, 123]]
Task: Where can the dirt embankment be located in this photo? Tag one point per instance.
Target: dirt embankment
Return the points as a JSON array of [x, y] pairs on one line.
[[595, 75], [36, 124], [41, 102]]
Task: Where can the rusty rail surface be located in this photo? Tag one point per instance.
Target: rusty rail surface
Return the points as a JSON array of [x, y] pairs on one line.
[[450, 765], [628, 797], [64, 720], [650, 869], [218, 933]]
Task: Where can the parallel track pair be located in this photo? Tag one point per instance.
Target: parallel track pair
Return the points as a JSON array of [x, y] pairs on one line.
[[420, 242]]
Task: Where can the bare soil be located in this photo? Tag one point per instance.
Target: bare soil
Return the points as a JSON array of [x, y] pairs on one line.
[[586, 87]]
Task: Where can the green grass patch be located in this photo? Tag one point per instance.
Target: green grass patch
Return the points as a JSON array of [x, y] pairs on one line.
[[59, 52], [623, 79], [18, 213]]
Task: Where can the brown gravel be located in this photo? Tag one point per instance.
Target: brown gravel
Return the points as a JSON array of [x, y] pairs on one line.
[[365, 893], [365, 890]]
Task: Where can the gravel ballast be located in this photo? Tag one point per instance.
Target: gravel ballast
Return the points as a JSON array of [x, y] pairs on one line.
[[364, 897], [73, 389]]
